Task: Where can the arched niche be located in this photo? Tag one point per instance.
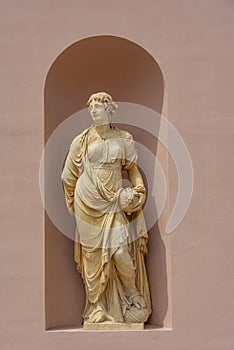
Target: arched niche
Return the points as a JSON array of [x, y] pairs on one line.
[[130, 74]]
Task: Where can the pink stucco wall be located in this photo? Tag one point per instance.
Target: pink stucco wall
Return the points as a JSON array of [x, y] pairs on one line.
[[192, 42]]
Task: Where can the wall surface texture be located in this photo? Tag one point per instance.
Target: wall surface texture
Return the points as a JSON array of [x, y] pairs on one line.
[[192, 42]]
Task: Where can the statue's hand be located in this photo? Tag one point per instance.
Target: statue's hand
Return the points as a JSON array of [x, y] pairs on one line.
[[139, 193], [139, 302], [140, 201]]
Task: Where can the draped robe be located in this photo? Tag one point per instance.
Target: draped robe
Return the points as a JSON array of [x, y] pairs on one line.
[[109, 245]]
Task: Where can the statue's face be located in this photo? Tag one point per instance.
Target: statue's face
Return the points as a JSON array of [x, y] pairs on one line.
[[98, 113]]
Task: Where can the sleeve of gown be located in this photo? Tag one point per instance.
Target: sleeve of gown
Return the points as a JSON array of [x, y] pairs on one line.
[[70, 173], [130, 153]]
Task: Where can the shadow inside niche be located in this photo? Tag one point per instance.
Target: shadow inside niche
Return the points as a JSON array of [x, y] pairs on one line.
[[157, 275]]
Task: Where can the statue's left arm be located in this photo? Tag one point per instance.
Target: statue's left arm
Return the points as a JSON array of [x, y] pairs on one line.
[[138, 185], [130, 164]]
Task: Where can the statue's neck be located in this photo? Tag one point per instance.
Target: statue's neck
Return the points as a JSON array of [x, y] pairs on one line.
[[103, 130]]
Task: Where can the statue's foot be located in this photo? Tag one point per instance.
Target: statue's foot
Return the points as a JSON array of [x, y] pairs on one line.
[[100, 316]]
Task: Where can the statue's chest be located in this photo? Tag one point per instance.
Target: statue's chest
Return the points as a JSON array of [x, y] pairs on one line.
[[106, 151]]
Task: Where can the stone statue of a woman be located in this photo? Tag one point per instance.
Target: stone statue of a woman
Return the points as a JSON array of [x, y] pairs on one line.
[[111, 235]]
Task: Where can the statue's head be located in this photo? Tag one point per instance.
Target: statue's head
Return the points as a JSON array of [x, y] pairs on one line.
[[106, 100]]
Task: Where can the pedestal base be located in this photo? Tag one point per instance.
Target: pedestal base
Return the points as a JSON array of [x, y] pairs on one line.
[[109, 326]]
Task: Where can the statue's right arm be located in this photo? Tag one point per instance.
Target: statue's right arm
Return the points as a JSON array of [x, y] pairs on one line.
[[69, 175]]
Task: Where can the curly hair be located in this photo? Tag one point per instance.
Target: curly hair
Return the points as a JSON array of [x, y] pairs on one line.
[[109, 105]]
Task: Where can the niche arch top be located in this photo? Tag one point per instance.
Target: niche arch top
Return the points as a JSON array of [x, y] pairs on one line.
[[130, 74], [101, 63]]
